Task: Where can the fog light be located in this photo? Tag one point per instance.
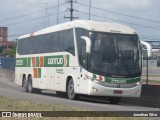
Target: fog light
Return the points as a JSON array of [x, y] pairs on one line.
[[94, 89], [137, 92], [138, 83]]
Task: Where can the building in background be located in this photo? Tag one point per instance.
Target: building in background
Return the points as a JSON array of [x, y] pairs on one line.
[[3, 33], [6, 46]]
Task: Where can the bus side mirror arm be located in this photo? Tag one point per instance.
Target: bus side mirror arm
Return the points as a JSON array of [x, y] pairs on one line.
[[149, 48], [88, 50], [88, 43]]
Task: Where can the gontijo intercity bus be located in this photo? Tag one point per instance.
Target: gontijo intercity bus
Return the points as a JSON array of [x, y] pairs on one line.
[[81, 57]]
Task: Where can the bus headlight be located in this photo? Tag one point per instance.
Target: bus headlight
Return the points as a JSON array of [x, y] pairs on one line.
[[138, 83], [92, 79], [88, 77]]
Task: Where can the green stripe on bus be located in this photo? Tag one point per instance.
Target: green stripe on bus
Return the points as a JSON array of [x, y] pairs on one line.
[[56, 61], [37, 62], [122, 80], [21, 62], [29, 62], [49, 61], [39, 72]]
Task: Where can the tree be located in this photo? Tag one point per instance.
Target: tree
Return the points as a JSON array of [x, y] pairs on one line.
[[12, 51]]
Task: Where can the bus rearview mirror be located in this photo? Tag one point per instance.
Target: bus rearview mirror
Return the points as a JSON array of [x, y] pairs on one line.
[[88, 43], [149, 48]]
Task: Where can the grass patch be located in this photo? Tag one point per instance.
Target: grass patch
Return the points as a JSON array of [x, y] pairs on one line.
[[25, 105], [8, 104]]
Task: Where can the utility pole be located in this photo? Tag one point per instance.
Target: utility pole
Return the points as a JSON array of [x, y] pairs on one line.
[[89, 9], [57, 12], [46, 15], [71, 11]]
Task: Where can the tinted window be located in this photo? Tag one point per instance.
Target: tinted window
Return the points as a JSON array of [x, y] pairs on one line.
[[52, 42], [115, 54], [68, 41], [81, 45]]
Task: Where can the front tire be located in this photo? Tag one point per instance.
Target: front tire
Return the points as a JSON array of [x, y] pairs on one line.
[[70, 90]]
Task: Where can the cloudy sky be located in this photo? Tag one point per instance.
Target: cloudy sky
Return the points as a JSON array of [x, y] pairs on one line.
[[25, 16]]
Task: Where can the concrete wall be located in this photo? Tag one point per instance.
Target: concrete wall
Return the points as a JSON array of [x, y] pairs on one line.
[[8, 75]]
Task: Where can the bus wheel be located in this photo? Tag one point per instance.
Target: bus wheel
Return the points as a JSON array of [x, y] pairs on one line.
[[29, 86], [70, 90], [114, 100], [25, 84]]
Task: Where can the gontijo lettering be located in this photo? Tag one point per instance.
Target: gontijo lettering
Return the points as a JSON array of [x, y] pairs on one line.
[[55, 61]]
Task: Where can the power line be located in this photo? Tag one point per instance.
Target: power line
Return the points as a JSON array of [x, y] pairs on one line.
[[20, 16], [137, 24], [29, 14], [25, 21], [120, 13]]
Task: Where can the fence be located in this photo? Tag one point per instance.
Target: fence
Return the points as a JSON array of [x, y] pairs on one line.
[[7, 63], [153, 69]]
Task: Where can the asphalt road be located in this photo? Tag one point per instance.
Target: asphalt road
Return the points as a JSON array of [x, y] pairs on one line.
[[10, 89]]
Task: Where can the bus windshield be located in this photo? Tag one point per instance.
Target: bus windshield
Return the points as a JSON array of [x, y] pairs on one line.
[[115, 55]]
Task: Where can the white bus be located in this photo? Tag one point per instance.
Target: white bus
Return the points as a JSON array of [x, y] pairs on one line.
[[81, 57]]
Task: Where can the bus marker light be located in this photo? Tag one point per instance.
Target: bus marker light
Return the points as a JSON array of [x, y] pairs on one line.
[[94, 89]]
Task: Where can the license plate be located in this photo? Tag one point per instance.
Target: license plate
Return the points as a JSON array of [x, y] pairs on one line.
[[118, 92]]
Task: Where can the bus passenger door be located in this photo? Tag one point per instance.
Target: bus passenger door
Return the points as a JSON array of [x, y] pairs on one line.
[[83, 62], [50, 78], [42, 80]]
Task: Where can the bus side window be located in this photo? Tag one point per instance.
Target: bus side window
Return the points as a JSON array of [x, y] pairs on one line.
[[68, 41]]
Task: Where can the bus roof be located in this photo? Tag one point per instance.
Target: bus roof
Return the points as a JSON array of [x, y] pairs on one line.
[[86, 24]]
